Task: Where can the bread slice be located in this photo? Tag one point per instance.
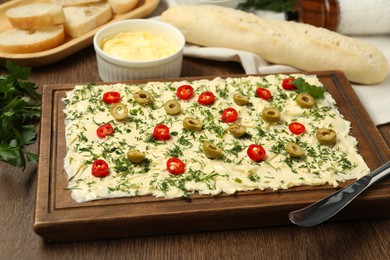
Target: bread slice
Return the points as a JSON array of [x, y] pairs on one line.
[[74, 2], [83, 18], [122, 6], [23, 41], [35, 16]]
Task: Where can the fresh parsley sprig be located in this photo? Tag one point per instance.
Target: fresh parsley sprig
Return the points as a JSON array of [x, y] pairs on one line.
[[304, 87], [19, 110], [269, 5]]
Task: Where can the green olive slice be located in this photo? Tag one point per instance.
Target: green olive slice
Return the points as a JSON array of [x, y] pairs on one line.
[[305, 100], [271, 114], [326, 136], [211, 151], [240, 99], [192, 124], [143, 97], [135, 156], [237, 130], [119, 111], [294, 150], [172, 107]]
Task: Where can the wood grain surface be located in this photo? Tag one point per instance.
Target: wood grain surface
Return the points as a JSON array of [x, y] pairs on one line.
[[359, 239]]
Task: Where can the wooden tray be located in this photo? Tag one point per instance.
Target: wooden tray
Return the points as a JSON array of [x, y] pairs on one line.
[[71, 45], [59, 218]]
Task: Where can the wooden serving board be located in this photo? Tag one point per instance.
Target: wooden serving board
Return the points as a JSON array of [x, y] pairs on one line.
[[59, 218], [71, 45]]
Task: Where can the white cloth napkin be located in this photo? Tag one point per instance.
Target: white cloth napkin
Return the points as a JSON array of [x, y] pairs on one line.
[[375, 98], [251, 63]]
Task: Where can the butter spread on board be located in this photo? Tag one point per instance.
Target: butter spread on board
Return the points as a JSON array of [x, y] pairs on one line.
[[137, 46], [232, 172]]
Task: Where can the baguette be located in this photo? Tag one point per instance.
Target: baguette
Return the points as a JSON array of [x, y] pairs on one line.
[[23, 41], [83, 18], [295, 44], [36, 16]]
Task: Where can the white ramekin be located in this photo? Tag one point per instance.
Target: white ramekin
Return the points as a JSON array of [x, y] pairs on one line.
[[115, 69]]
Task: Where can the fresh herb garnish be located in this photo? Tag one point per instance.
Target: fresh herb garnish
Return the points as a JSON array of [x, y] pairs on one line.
[[19, 110], [270, 5], [304, 87]]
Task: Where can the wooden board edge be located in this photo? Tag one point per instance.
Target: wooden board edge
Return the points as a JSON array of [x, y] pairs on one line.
[[42, 188], [198, 221], [363, 118]]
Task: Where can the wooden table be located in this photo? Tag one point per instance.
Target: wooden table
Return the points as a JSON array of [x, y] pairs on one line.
[[365, 239]]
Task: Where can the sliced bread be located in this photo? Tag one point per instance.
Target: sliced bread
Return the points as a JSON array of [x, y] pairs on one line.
[[24, 41], [122, 6], [35, 16], [83, 18]]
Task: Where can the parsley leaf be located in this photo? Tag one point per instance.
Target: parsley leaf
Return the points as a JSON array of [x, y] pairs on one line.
[[19, 110], [304, 87], [271, 5], [17, 72]]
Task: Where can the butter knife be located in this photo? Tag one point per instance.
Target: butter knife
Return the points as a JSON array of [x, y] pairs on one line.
[[326, 208]]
